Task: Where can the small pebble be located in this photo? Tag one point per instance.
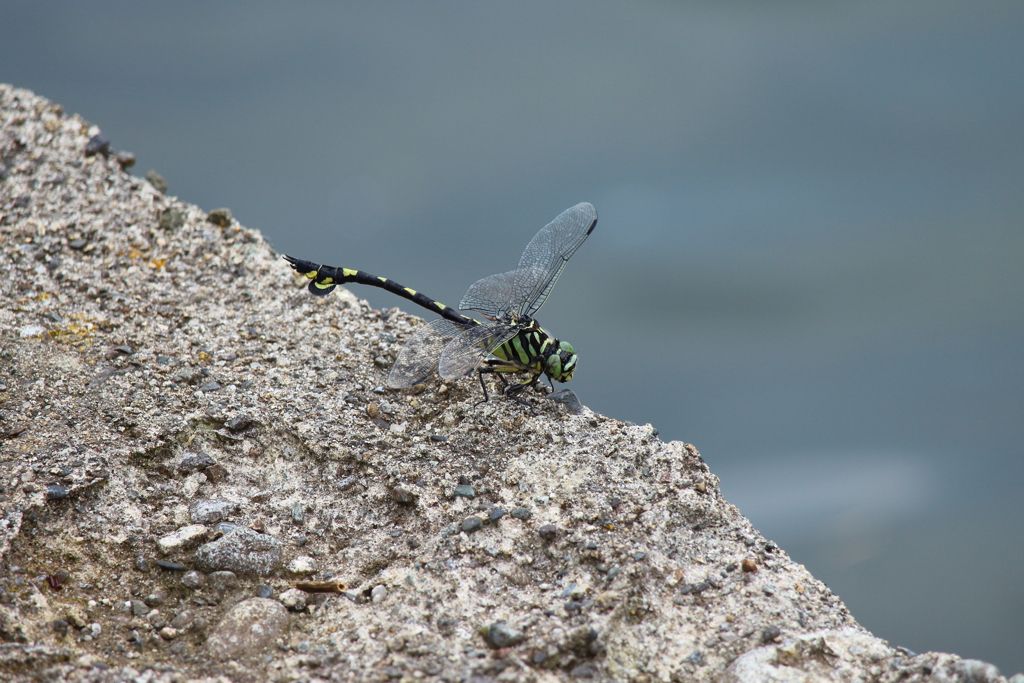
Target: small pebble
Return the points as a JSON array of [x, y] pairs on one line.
[[141, 564], [522, 513], [471, 524], [194, 462], [207, 511], [56, 492], [494, 514], [379, 593], [184, 538], [222, 581], [500, 635], [156, 598], [221, 217], [193, 579], [239, 423], [294, 599], [157, 181], [548, 532], [403, 496], [302, 565], [264, 591], [97, 145], [170, 566], [183, 620], [60, 626], [464, 491], [771, 634], [749, 565]]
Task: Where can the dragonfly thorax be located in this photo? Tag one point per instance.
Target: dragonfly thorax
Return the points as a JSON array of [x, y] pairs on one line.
[[533, 349]]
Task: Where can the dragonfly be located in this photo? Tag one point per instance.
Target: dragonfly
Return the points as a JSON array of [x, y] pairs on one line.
[[509, 340]]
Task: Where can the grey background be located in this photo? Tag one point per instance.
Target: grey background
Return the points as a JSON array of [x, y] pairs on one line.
[[808, 261]]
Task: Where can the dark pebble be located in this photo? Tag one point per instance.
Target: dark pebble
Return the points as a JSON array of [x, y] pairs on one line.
[[139, 608], [615, 502], [170, 566], [583, 671], [193, 462], [686, 588], [696, 657], [495, 514], [639, 556], [522, 513], [500, 635], [212, 385], [264, 591], [216, 473], [78, 244], [125, 159], [548, 532], [613, 572], [471, 524], [221, 217], [771, 634], [56, 492], [239, 423], [403, 496], [465, 491], [392, 672], [700, 587], [60, 626], [157, 181], [590, 545], [573, 606], [97, 145], [438, 437]]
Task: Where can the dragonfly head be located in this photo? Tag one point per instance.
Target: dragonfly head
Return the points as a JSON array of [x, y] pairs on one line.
[[561, 364]]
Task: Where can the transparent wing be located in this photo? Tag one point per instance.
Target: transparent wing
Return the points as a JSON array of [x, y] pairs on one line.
[[490, 295], [546, 256], [419, 357], [469, 349]]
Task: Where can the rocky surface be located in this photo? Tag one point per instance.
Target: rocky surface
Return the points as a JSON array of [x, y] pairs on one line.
[[186, 436]]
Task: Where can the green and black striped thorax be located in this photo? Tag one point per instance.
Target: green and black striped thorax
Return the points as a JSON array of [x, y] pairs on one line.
[[511, 341]]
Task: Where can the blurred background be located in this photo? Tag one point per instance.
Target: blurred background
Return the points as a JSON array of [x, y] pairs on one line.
[[808, 261]]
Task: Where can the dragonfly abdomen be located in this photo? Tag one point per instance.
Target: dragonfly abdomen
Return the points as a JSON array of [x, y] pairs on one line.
[[323, 280]]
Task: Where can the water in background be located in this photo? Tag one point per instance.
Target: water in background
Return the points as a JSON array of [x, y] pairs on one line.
[[809, 256]]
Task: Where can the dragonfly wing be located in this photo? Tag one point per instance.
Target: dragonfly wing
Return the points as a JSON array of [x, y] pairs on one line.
[[465, 353], [419, 357], [546, 255], [490, 295]]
